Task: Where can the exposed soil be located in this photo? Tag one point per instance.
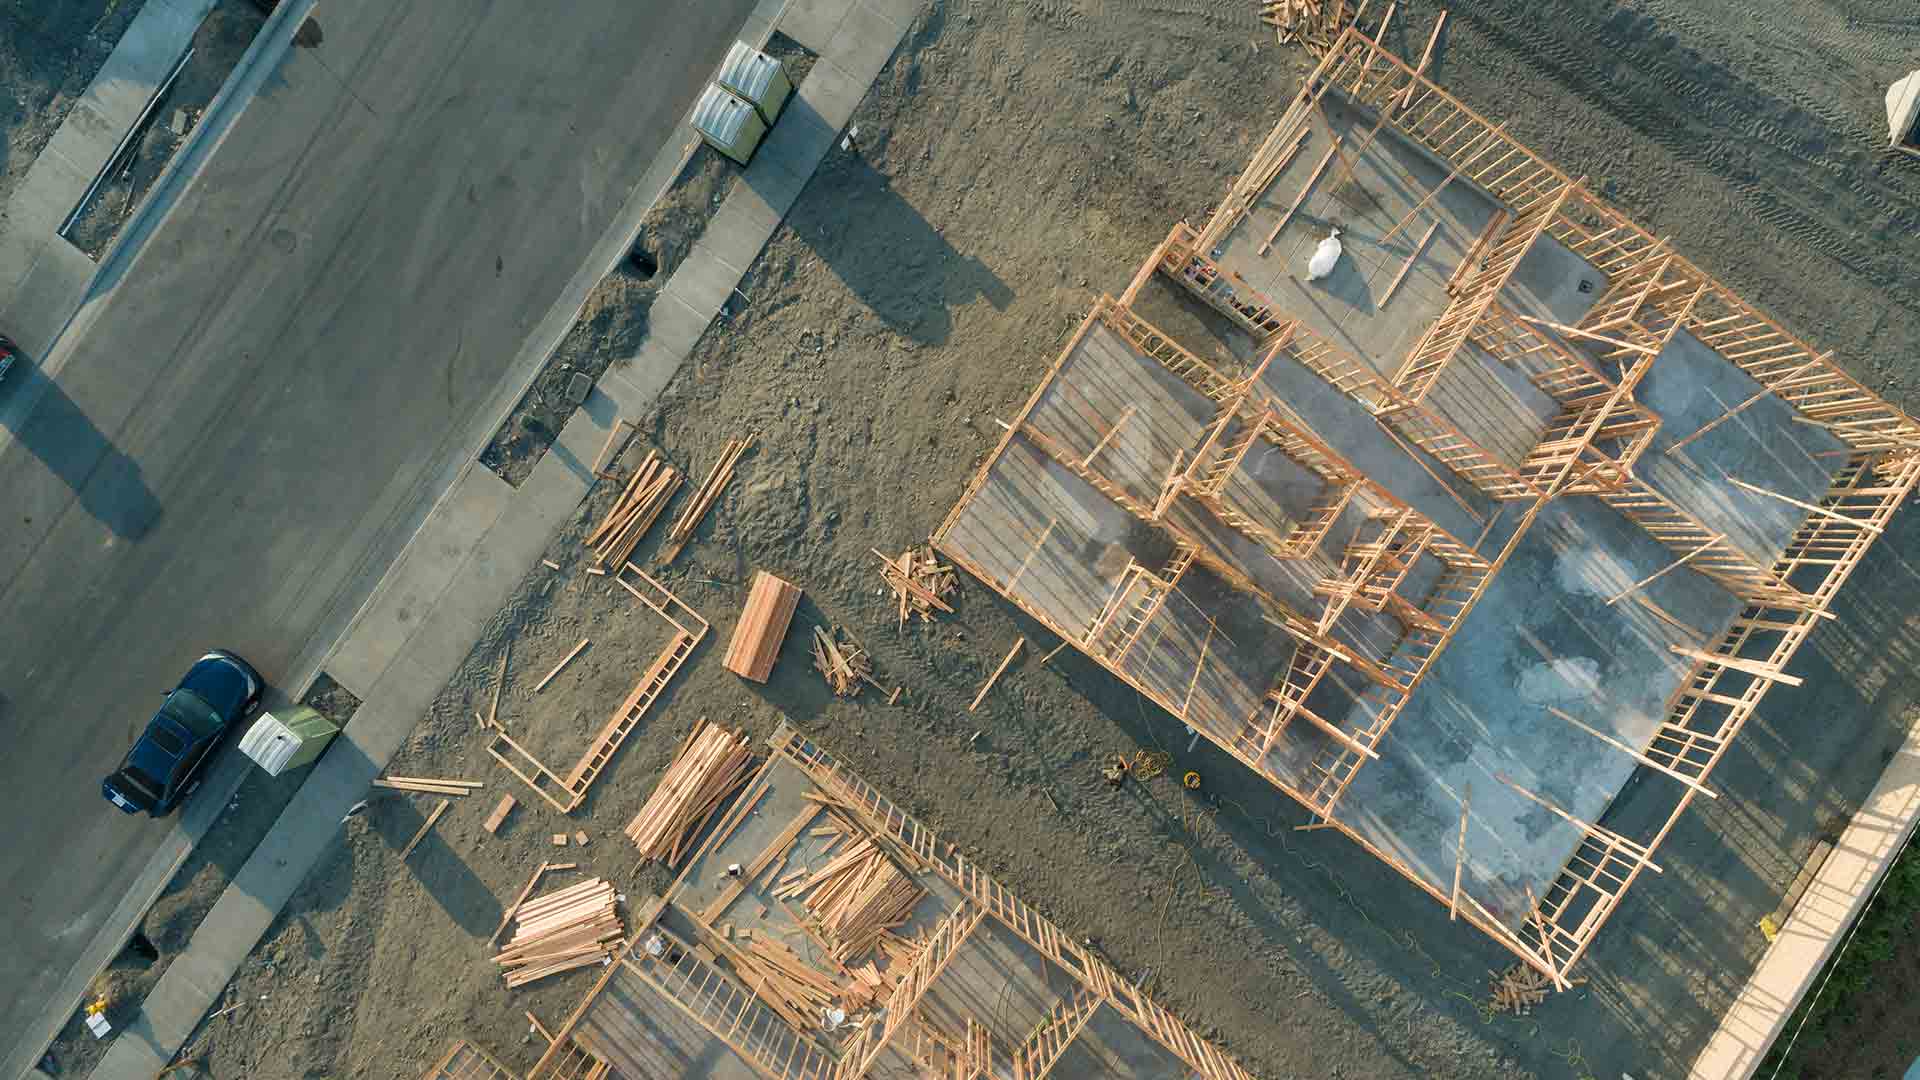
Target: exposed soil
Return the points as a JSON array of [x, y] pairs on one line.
[[217, 46], [1016, 159], [48, 55]]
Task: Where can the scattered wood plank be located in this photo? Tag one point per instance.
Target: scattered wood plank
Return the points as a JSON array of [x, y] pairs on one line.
[[431, 787], [712, 764], [755, 645], [857, 896], [995, 677], [559, 839], [425, 826], [580, 838], [703, 499], [564, 661], [499, 815]]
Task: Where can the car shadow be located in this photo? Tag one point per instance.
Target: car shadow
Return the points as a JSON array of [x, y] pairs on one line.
[[107, 482]]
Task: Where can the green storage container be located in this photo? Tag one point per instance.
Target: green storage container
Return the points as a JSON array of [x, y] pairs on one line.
[[287, 740]]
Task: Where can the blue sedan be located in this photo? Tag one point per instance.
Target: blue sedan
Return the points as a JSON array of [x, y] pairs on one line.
[[218, 692]]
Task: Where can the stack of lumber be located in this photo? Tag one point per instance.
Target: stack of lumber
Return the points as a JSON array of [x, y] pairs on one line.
[[703, 499], [789, 985], [428, 785], [844, 663], [762, 627], [633, 513], [1518, 989], [919, 582], [560, 931], [855, 898], [711, 765]]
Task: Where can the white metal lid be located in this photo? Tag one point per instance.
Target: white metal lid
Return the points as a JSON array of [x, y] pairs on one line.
[[269, 744], [720, 115], [1903, 106], [747, 71]]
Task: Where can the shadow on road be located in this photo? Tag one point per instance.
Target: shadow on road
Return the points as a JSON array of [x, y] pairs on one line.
[[891, 256], [107, 482]]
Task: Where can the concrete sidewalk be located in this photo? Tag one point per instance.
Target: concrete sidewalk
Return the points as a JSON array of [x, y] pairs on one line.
[[417, 628], [42, 277]]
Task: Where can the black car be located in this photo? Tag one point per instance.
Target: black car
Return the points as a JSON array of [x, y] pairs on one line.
[[217, 693], [8, 350]]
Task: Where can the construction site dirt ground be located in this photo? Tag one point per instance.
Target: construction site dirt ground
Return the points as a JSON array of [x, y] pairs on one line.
[[1015, 160]]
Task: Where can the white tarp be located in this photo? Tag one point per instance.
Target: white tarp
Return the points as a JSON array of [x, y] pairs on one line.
[[1903, 106]]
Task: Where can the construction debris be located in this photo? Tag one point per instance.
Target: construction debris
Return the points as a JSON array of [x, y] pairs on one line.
[[858, 896], [711, 765], [799, 992], [1519, 988], [428, 785], [762, 627], [563, 930], [920, 582], [844, 663], [703, 499], [1312, 24], [633, 513]]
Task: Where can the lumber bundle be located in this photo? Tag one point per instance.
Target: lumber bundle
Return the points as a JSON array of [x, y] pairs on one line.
[[919, 582], [762, 627], [633, 513], [711, 765], [703, 500], [856, 897], [844, 663], [563, 930]]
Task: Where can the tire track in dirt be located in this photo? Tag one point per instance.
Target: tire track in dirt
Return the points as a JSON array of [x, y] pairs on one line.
[[1642, 88]]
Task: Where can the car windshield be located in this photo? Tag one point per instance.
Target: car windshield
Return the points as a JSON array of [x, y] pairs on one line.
[[184, 707], [166, 739]]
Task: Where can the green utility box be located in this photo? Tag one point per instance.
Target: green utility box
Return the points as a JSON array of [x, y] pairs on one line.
[[287, 740]]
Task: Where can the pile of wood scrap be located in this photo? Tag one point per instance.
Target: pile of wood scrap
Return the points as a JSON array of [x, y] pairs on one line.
[[711, 765], [789, 985], [1518, 989], [919, 582], [856, 897], [1312, 24], [703, 499], [633, 513], [762, 627], [843, 662], [560, 931]]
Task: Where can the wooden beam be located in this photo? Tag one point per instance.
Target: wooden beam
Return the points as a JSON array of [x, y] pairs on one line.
[[1125, 415], [426, 825], [564, 661], [507, 917], [1743, 406], [1663, 571], [1300, 199], [1575, 331], [1460, 855], [1555, 809], [995, 677], [499, 680], [1394, 285], [499, 815], [1756, 668], [1632, 753], [1807, 506]]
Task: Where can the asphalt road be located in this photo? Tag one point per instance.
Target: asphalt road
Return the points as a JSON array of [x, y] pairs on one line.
[[248, 423]]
